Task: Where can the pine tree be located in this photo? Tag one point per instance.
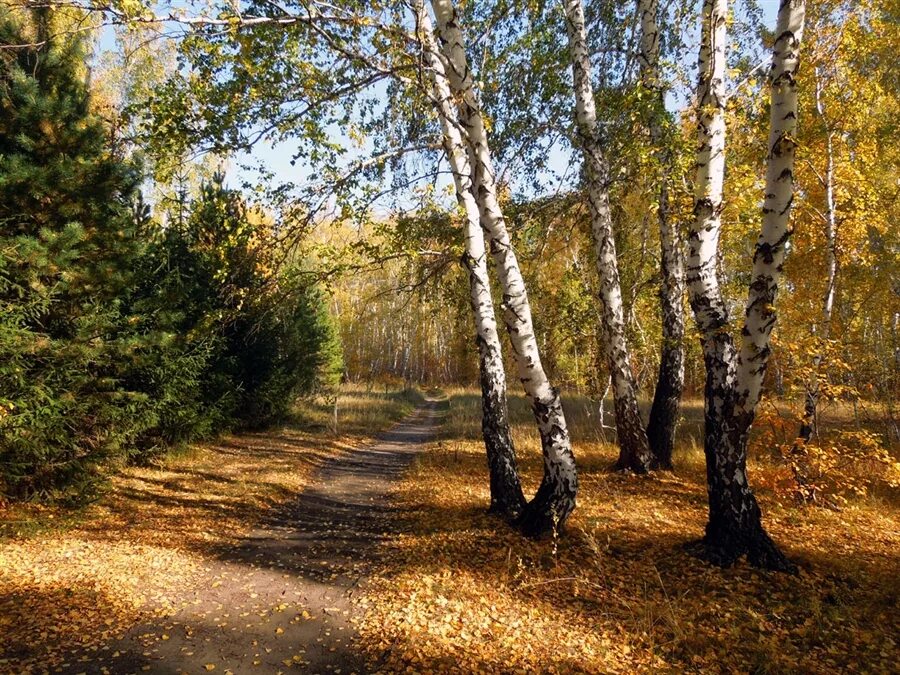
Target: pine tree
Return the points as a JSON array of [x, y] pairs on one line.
[[67, 248], [262, 330]]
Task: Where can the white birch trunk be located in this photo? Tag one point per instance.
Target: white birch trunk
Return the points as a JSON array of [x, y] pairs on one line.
[[703, 282], [648, 49], [634, 449], [771, 247], [556, 496], [506, 489], [810, 413], [670, 380], [734, 381]]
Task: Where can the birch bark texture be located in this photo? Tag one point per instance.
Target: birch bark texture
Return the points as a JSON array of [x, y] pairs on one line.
[[734, 381], [507, 498], [670, 379], [771, 246], [555, 498], [634, 449]]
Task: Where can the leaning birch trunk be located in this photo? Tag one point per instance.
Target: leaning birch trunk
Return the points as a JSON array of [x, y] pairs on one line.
[[734, 382], [555, 499], [634, 450], [670, 380], [506, 490]]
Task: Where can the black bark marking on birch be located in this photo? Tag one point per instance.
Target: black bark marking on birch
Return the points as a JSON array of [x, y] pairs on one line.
[[789, 35], [787, 207], [507, 498]]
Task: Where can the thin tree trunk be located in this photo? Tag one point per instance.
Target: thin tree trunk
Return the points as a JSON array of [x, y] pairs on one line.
[[810, 412], [555, 498], [506, 489], [734, 381], [670, 380], [634, 450]]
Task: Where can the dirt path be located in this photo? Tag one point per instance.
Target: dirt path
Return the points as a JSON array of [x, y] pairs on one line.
[[281, 601]]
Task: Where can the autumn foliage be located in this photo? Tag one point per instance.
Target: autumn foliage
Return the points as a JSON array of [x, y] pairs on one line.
[[188, 342]]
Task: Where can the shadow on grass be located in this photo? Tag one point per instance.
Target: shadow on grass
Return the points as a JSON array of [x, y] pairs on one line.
[[620, 571]]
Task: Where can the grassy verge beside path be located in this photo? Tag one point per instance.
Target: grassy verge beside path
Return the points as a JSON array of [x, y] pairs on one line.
[[80, 578]]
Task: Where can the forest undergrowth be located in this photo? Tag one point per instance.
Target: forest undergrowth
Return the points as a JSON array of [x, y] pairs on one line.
[[618, 591]]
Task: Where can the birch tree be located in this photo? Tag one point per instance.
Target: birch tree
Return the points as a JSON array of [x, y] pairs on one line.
[[555, 498], [670, 380], [634, 450], [506, 489], [846, 204], [734, 380], [811, 404]]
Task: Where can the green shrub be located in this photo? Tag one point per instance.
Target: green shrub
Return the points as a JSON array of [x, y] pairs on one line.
[[267, 327]]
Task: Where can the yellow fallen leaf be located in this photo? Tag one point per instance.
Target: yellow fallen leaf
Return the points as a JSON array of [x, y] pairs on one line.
[[210, 666]]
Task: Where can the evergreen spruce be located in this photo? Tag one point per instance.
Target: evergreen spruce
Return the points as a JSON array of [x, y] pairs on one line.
[[119, 337], [67, 247]]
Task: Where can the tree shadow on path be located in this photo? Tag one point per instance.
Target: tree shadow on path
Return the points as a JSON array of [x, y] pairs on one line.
[[283, 597]]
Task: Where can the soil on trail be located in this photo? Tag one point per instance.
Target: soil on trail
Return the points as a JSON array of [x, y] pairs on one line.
[[282, 600]]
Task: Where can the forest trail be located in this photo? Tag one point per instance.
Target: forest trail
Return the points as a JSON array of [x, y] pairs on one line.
[[282, 600]]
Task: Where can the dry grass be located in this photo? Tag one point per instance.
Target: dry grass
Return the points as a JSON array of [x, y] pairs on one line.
[[133, 554], [618, 593]]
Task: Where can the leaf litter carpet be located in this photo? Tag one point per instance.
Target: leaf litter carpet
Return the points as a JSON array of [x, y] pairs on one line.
[[282, 598]]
